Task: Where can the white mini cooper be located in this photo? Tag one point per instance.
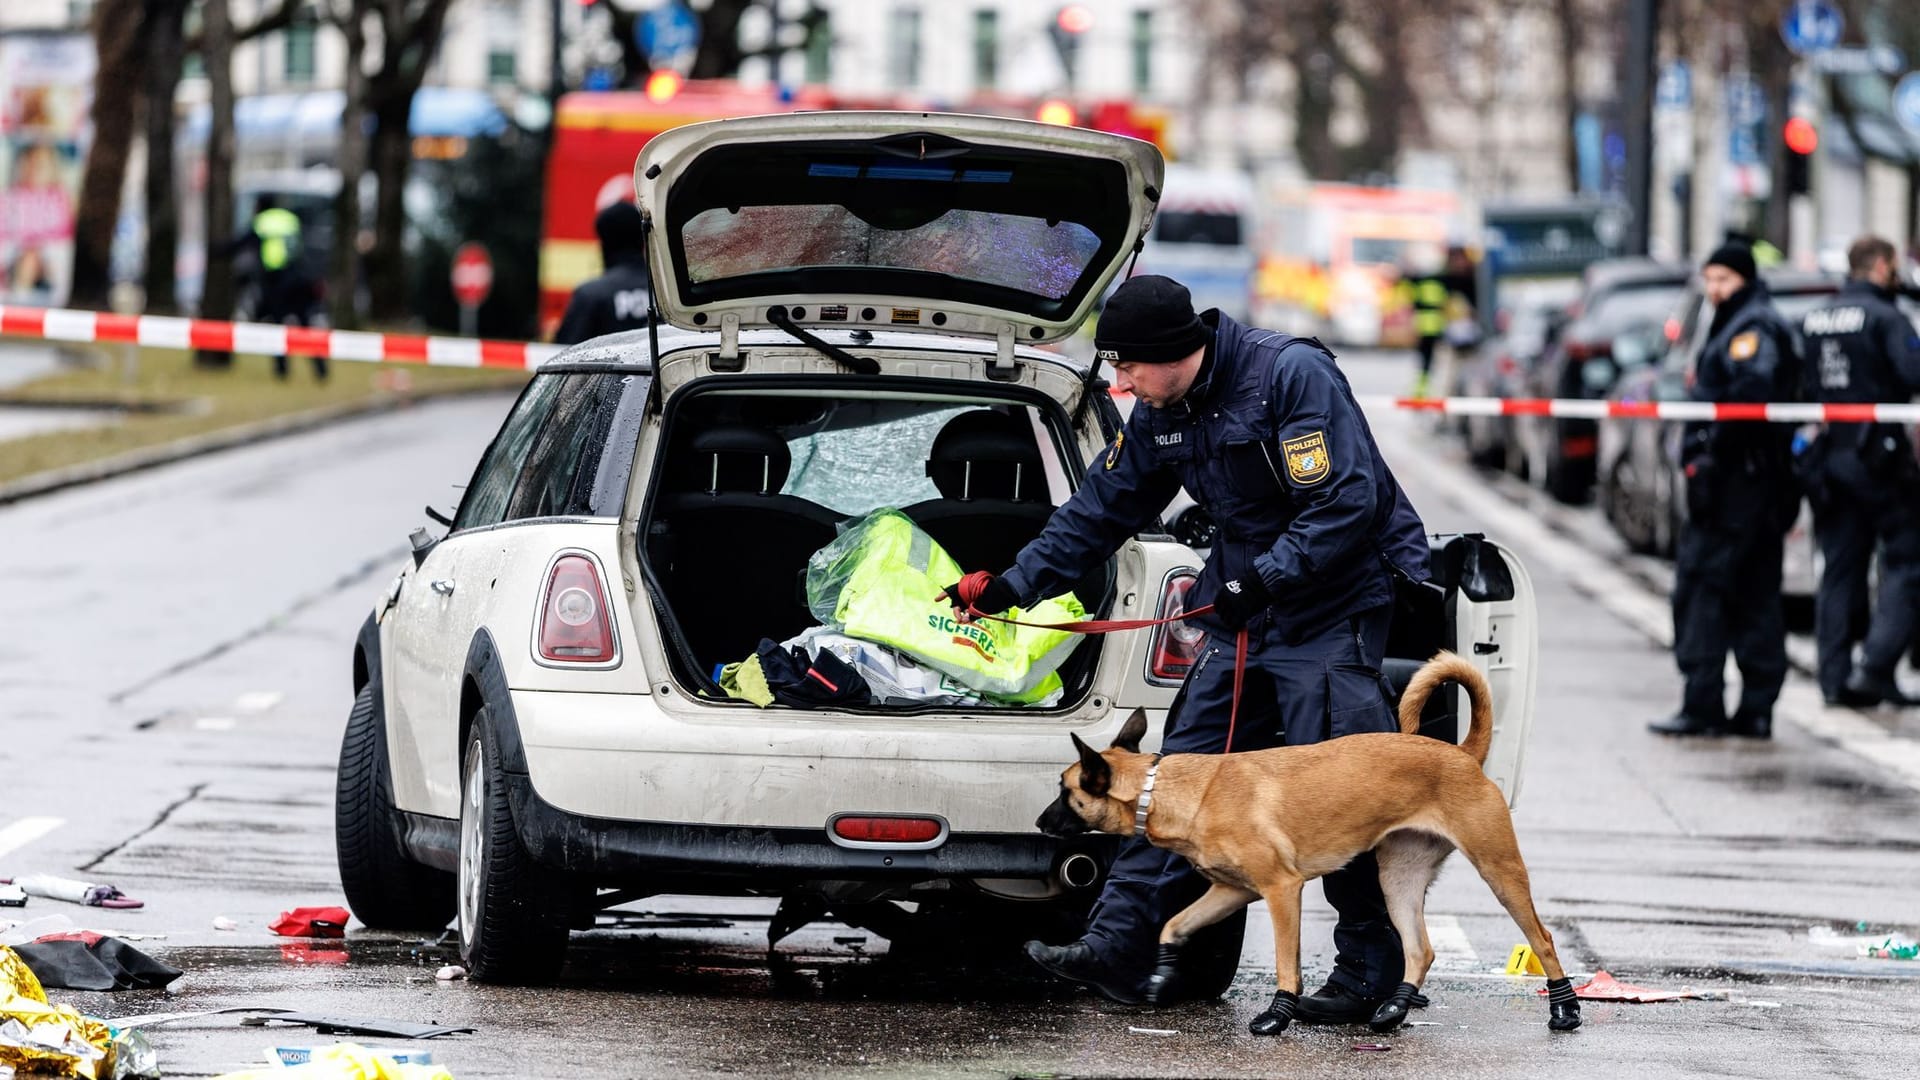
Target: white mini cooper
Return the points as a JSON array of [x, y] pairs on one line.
[[857, 304]]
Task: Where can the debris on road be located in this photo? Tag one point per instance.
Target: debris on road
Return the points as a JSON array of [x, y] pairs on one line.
[[450, 972], [12, 895], [90, 961], [1151, 1031], [301, 1055], [1892, 947], [351, 1025], [1604, 987], [345, 1061], [320, 922], [221, 922], [44, 1039], [92, 894], [1380, 1047]]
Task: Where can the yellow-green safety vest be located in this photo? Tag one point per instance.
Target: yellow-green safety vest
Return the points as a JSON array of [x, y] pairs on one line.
[[1429, 307], [278, 230], [881, 580]]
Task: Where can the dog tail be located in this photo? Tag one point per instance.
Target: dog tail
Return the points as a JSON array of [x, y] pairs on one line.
[[1447, 667]]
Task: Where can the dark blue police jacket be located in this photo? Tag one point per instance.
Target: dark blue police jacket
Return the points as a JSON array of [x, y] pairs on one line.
[[1271, 442]]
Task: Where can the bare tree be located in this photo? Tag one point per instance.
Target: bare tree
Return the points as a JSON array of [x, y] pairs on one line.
[[116, 110], [217, 294]]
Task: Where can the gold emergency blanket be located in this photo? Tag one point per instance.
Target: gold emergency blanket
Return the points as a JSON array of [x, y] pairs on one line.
[[39, 1039]]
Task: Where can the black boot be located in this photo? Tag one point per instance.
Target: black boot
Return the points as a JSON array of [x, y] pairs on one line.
[[1751, 725], [1163, 986], [1683, 723], [1563, 1005], [1335, 1004], [1077, 963], [1879, 689], [1277, 1015]]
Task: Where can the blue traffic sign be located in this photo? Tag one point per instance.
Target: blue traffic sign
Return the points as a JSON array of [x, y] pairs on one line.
[[1906, 101], [1811, 26], [666, 32]]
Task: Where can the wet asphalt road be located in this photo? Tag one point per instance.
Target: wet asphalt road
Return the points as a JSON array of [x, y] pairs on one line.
[[173, 681]]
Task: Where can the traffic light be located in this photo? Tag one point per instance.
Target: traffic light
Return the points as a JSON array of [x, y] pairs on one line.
[[1070, 23], [1802, 139]]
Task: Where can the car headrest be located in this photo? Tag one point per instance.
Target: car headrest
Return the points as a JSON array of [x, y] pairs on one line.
[[987, 455], [736, 459]]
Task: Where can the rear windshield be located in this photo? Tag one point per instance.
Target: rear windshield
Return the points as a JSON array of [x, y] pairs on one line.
[[1198, 227], [1623, 309], [857, 457]]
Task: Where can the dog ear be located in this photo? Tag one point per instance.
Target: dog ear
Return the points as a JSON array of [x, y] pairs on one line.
[[1131, 734], [1095, 775]]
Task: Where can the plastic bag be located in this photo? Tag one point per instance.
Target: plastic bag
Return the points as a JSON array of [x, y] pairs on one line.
[[895, 679], [881, 580]]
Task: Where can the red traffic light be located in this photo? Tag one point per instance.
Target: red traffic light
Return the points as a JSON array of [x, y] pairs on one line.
[[1074, 18], [1802, 137]]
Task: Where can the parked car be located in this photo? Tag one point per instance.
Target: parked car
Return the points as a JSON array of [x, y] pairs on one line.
[[538, 732], [1617, 295], [1641, 486], [1501, 366]]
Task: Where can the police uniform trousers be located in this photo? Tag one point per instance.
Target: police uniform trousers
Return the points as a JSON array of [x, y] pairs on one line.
[[1726, 596], [1849, 523], [1294, 695]]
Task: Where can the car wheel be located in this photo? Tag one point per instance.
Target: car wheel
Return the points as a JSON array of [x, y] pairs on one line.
[[1622, 499], [384, 888], [513, 913]]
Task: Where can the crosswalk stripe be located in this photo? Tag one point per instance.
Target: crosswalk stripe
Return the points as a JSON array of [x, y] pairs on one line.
[[1451, 948], [26, 831]]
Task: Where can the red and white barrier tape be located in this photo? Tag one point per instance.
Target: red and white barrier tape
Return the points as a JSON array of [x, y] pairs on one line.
[[54, 324]]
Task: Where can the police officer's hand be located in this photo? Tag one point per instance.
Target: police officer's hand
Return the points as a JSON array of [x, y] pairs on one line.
[[1240, 600], [986, 593]]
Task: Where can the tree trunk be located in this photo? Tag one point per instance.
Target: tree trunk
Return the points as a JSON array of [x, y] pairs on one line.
[[1572, 41], [1386, 97], [1313, 97], [343, 269], [216, 299], [117, 34], [719, 56], [392, 154], [166, 46]]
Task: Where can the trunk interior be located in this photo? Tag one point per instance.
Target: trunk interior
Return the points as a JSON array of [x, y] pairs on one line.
[[751, 482]]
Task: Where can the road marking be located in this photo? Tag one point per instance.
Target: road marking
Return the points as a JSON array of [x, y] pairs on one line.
[[26, 831], [1451, 949], [1635, 603], [257, 701]]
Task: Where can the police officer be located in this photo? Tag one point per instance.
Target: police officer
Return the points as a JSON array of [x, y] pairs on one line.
[[1263, 430], [618, 298], [1741, 498], [1865, 483], [286, 289]]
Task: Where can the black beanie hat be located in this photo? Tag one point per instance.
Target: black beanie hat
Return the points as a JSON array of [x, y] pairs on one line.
[[618, 224], [1149, 320], [1736, 257]]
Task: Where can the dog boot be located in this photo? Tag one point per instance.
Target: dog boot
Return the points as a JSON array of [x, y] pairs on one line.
[[1277, 1015], [1077, 963], [1335, 1004], [1563, 1004], [1393, 1011], [1163, 986]]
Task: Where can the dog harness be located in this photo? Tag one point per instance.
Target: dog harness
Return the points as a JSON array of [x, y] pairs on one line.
[[1146, 799]]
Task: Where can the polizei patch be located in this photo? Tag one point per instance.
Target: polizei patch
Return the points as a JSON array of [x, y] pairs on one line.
[[1113, 455], [1743, 346], [1307, 460]]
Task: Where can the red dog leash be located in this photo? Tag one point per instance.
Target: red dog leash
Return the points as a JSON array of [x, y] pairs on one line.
[[970, 586]]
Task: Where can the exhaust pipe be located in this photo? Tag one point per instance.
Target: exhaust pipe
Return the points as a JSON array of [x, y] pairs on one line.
[[1078, 871]]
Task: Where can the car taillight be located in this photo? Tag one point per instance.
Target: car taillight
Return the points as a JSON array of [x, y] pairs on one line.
[[575, 626], [1176, 645], [887, 830], [1579, 351]]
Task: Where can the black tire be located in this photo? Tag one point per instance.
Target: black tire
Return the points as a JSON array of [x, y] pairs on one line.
[[384, 888], [512, 912]]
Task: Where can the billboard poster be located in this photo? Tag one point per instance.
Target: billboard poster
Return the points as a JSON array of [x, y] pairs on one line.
[[46, 90]]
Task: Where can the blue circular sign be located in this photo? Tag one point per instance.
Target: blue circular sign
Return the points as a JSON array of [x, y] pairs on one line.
[[1906, 101], [1811, 26]]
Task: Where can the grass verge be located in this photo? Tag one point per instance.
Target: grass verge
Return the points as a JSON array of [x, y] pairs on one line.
[[172, 399]]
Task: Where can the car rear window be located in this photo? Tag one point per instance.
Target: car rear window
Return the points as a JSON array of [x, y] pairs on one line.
[[1622, 309]]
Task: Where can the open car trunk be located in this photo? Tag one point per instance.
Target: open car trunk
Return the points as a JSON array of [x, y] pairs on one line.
[[755, 476]]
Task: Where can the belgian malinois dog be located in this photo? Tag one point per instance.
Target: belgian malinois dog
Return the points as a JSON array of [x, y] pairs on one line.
[[1259, 825]]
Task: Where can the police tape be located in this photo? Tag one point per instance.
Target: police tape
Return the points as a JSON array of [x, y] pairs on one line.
[[57, 324]]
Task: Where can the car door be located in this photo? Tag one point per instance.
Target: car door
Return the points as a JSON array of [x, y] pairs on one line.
[[433, 620]]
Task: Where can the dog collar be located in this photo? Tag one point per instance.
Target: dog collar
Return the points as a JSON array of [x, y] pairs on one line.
[[1146, 799]]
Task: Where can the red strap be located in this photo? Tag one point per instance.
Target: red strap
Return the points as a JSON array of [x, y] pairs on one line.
[[969, 588]]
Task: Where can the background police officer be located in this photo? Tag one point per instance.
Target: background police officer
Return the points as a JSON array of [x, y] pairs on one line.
[[1263, 431], [1741, 497], [1865, 484], [618, 298]]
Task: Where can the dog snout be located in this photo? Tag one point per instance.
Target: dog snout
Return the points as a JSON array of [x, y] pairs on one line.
[[1058, 819]]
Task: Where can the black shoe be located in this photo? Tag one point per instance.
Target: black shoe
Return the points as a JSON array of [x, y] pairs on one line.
[[1879, 689], [1076, 963], [1681, 723], [1335, 1004], [1751, 726], [1849, 699]]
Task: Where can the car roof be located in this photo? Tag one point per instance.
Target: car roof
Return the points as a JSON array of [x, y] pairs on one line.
[[1633, 270]]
